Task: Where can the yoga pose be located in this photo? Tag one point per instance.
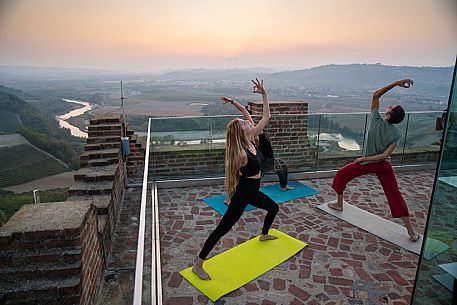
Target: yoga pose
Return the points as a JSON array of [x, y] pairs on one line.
[[242, 180], [264, 144], [382, 138]]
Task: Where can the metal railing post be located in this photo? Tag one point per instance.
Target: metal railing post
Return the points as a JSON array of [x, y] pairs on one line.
[[318, 136], [404, 143], [364, 133]]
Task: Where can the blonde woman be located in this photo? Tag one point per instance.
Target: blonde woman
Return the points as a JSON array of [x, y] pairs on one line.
[[242, 180], [265, 147]]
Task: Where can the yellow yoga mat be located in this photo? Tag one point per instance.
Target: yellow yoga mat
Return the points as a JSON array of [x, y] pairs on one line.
[[243, 263]]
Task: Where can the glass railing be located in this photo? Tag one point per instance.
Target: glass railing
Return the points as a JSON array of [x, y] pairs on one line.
[[188, 147], [340, 139], [436, 278], [194, 147]]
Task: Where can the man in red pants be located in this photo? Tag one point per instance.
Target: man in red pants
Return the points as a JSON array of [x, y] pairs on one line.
[[382, 138]]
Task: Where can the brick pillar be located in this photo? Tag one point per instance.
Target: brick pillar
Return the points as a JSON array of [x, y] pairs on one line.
[[288, 132]]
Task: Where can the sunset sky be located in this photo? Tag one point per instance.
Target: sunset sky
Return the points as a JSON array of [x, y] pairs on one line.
[[150, 35]]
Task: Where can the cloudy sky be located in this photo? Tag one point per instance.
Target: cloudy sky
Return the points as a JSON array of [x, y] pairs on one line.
[[150, 35]]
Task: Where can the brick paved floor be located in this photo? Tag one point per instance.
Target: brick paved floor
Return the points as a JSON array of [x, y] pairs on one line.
[[341, 265]]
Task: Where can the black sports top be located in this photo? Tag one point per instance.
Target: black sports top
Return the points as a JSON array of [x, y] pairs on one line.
[[252, 168]]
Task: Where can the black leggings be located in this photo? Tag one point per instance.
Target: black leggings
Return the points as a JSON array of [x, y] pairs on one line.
[[247, 192], [279, 167]]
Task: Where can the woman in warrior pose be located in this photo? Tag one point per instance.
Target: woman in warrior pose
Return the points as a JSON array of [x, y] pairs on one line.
[[242, 180]]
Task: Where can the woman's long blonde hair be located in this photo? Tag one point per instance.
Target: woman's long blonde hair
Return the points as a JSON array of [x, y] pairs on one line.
[[235, 143]]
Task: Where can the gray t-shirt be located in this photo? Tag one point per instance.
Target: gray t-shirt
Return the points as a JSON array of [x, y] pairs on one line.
[[379, 136]]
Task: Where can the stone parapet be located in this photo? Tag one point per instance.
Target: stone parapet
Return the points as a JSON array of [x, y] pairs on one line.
[[51, 253], [47, 250]]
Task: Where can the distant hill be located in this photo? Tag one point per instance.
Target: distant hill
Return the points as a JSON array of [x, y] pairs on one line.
[[353, 76], [214, 75], [350, 76], [366, 76]]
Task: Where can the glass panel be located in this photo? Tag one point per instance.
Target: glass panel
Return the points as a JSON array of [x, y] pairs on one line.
[[139, 123], [194, 147], [314, 121], [422, 139], [188, 147], [435, 280], [341, 139], [397, 157]]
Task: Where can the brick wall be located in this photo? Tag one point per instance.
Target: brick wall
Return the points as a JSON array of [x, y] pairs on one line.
[[91, 261], [100, 181], [50, 254], [135, 161], [202, 161], [288, 133]]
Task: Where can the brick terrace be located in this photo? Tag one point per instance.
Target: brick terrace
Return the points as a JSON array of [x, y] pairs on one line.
[[341, 265]]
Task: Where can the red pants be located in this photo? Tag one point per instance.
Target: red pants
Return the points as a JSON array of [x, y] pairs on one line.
[[385, 175]]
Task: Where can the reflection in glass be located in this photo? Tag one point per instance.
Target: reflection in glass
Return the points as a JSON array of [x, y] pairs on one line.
[[435, 281]]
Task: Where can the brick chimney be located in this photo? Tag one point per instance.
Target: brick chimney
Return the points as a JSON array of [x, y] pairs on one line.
[[288, 131]]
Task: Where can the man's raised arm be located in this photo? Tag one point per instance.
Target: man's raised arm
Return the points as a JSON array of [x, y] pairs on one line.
[[405, 83]]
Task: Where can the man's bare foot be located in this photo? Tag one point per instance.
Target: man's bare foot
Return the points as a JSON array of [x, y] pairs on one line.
[[267, 237], [413, 236], [202, 274], [287, 188], [336, 205]]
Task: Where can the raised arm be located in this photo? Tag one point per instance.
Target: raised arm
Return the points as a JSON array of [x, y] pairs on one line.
[[238, 106], [381, 157], [405, 83], [258, 88]]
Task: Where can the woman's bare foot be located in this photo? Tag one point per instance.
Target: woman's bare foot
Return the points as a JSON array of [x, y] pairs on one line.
[[336, 205], [287, 188], [199, 271], [413, 236], [267, 237]]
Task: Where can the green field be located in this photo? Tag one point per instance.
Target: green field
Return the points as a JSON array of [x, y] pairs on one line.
[[24, 163], [8, 122], [10, 203]]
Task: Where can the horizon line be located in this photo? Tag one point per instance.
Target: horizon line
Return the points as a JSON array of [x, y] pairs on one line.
[[167, 70]]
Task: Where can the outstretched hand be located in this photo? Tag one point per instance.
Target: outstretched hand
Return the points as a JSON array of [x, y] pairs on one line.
[[225, 100], [405, 83], [258, 87]]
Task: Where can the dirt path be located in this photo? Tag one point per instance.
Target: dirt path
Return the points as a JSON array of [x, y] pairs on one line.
[[57, 181]]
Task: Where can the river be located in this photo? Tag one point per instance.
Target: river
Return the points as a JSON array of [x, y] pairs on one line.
[[343, 142], [75, 131]]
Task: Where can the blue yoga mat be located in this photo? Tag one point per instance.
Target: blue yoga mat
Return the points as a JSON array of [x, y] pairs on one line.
[[273, 191]]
